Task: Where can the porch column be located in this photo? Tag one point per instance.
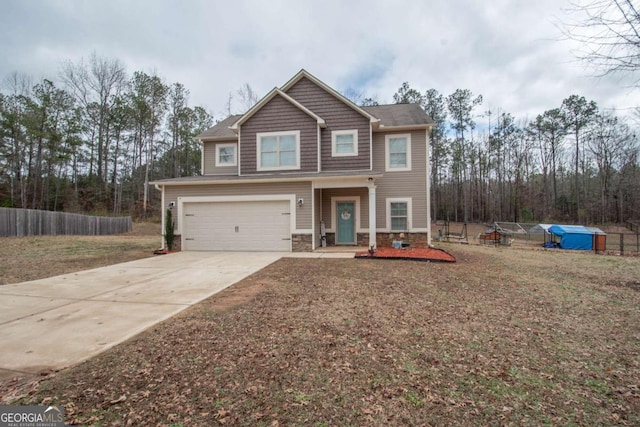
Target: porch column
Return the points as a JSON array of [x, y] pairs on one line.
[[372, 213]]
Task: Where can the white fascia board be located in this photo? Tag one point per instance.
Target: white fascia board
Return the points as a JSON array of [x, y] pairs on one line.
[[344, 181], [219, 139], [268, 97], [383, 128], [254, 109], [317, 180], [304, 109]]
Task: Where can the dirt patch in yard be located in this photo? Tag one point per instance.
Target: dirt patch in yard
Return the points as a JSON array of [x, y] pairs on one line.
[[499, 338]]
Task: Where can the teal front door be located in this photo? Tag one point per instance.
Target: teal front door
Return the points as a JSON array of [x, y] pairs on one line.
[[346, 219]]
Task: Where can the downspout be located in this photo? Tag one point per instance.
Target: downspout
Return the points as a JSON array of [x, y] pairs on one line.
[[313, 216], [239, 156], [370, 146], [201, 156], [372, 214], [319, 149]]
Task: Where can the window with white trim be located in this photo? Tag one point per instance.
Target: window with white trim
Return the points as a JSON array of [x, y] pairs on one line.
[[398, 152], [344, 143], [398, 214], [278, 150], [226, 155]]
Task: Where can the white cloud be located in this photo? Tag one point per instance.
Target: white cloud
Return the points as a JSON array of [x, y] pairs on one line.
[[509, 52]]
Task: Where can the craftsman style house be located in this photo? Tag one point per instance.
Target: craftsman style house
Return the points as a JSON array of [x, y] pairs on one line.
[[305, 167]]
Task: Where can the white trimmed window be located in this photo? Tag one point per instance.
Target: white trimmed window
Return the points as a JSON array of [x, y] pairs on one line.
[[398, 152], [344, 143], [278, 150], [399, 214], [226, 155]]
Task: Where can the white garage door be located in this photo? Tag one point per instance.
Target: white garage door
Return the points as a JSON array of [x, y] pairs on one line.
[[237, 226]]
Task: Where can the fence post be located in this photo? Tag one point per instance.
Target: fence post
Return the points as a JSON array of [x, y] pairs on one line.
[[621, 243]]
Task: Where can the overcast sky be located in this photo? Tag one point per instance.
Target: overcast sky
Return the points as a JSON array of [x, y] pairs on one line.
[[510, 51]]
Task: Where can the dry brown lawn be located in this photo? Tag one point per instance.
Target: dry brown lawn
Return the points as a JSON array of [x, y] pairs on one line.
[[31, 258], [505, 336]]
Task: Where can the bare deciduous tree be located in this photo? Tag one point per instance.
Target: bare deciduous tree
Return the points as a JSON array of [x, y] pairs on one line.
[[94, 85], [608, 33]]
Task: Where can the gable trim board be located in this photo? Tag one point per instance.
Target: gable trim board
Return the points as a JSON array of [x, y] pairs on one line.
[[268, 97], [303, 73]]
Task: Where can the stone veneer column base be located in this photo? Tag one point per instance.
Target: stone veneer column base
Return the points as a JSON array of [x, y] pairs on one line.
[[302, 243], [177, 244], [414, 239], [385, 239]]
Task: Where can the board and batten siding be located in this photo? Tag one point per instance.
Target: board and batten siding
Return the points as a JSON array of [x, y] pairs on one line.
[[300, 189], [209, 152], [399, 184], [279, 115], [338, 116]]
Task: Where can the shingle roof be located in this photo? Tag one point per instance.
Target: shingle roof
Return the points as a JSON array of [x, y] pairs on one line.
[[399, 114], [221, 130]]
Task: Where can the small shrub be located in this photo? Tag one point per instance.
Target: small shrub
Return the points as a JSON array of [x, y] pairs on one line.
[[169, 230]]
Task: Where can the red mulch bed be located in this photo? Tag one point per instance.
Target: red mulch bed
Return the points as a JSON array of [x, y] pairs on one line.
[[415, 254]]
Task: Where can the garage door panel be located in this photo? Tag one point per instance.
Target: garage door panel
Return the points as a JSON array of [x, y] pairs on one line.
[[241, 226]]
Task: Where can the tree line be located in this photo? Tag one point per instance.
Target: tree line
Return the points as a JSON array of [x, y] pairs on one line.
[[573, 163], [93, 140]]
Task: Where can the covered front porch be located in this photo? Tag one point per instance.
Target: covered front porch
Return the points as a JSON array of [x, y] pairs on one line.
[[345, 212]]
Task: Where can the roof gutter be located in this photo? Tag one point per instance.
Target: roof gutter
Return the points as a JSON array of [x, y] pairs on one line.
[[383, 128], [266, 180]]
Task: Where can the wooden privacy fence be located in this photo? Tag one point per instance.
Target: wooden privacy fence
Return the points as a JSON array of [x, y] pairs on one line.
[[30, 222]]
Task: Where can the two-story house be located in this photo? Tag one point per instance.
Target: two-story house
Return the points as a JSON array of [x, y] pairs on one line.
[[303, 168]]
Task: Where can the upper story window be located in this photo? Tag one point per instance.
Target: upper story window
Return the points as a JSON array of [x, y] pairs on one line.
[[278, 150], [344, 143], [226, 155], [398, 152]]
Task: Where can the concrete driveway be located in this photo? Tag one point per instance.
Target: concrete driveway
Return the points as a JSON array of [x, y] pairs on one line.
[[52, 323]]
